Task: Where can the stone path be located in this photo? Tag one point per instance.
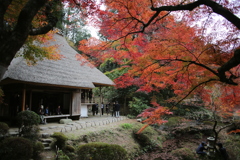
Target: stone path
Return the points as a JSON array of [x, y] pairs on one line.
[[47, 130]]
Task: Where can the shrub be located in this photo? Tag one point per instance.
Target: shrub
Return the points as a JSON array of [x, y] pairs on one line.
[[137, 106], [174, 121], [184, 153], [31, 133], [101, 151], [28, 118], [131, 116], [69, 148], [235, 126], [26, 122], [3, 128], [60, 139], [232, 144], [37, 148], [148, 138], [198, 135], [62, 156], [16, 148], [126, 125]]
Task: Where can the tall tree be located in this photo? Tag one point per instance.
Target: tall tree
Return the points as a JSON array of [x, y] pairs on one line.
[[73, 24], [20, 19], [155, 37]]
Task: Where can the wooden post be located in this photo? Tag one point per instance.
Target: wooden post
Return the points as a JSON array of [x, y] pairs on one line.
[[100, 110], [23, 99], [30, 100]]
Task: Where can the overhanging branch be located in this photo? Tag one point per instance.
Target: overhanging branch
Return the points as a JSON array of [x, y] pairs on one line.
[[51, 21], [233, 62], [216, 8], [195, 87]]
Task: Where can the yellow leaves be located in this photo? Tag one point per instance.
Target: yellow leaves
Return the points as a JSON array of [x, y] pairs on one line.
[[38, 48], [52, 53]]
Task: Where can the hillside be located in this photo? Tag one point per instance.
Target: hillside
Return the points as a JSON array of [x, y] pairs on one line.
[[169, 143]]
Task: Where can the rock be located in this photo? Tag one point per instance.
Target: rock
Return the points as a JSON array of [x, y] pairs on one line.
[[43, 128], [139, 120], [65, 121], [52, 127]]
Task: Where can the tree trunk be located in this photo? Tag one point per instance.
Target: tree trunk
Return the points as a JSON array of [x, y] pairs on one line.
[[12, 38]]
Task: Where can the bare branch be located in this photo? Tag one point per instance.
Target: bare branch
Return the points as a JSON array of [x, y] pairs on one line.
[[51, 19], [217, 8], [199, 64], [233, 62], [195, 87]]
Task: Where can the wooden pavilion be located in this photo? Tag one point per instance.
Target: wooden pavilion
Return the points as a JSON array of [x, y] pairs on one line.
[[66, 82]]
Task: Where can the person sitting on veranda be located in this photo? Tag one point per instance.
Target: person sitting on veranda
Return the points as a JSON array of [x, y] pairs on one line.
[[41, 114], [46, 111], [58, 110], [201, 148]]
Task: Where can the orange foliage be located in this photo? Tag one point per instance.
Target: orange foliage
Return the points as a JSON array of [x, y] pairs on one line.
[[35, 52], [167, 53], [153, 115], [234, 131]]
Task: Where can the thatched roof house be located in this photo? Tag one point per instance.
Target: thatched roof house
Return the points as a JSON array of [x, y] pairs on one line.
[[49, 80], [67, 72]]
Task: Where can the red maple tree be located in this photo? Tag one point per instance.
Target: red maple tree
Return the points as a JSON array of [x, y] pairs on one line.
[[161, 50]]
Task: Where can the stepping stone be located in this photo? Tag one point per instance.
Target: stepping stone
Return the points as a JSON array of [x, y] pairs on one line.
[[47, 148], [43, 128], [71, 123], [45, 135], [52, 127], [80, 122], [60, 127], [13, 133], [88, 124], [47, 140], [65, 121], [68, 129]]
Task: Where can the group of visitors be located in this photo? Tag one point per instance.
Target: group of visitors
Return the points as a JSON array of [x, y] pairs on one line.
[[45, 112], [109, 107], [221, 150]]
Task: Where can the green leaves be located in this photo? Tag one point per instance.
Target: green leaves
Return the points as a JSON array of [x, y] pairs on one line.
[[137, 106]]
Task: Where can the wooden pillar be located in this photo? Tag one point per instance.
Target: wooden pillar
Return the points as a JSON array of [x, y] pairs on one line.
[[23, 99], [70, 104], [76, 103], [100, 96], [30, 100], [101, 99]]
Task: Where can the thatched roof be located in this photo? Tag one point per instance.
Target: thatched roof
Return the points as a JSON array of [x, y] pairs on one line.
[[67, 72]]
